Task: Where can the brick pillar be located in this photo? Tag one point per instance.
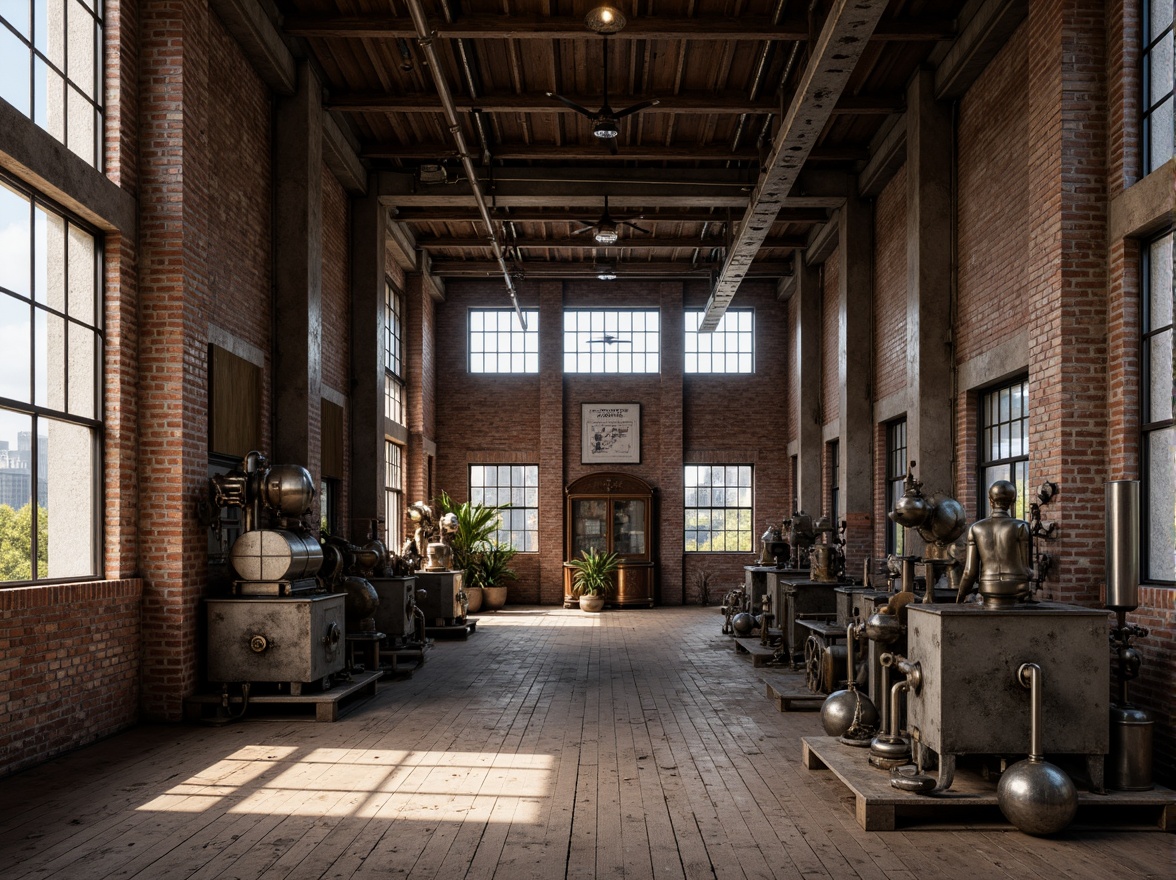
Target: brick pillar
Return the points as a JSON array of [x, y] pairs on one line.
[[298, 269], [368, 234], [929, 220], [552, 477], [669, 436], [855, 294], [809, 386], [173, 371], [421, 384], [1067, 283]]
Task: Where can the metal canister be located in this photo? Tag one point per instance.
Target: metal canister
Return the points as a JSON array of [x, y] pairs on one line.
[[1130, 764]]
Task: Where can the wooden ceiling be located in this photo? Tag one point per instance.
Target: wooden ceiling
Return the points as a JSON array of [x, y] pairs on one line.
[[721, 165]]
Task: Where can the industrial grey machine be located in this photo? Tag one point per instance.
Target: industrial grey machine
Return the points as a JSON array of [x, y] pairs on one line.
[[441, 598]]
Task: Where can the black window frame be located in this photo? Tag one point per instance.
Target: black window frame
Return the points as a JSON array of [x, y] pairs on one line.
[[1149, 427], [896, 471], [988, 399]]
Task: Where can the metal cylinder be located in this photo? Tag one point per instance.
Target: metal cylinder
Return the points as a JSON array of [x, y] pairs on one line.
[[1130, 765], [275, 555], [1122, 564], [288, 490], [1030, 676]]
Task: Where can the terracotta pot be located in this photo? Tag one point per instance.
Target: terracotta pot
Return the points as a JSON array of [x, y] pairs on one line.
[[493, 598], [591, 603], [474, 598]]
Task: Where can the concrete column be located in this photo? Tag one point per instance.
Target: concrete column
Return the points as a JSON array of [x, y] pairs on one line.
[[552, 477], [929, 220], [808, 405], [298, 267], [855, 336], [368, 235]]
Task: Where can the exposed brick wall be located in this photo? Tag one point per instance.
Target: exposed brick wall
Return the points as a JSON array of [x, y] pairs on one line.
[[336, 335], [69, 667], [1153, 689], [830, 340], [120, 72], [890, 287], [993, 203], [792, 384], [1124, 90], [121, 407], [421, 369]]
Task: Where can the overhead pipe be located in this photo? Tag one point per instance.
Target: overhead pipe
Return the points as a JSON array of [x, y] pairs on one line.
[[425, 38]]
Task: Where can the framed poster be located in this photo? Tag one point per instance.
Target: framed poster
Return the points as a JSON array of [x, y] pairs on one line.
[[610, 433]]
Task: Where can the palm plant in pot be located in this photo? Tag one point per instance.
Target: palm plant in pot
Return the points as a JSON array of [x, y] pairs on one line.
[[473, 538], [592, 579], [490, 570]]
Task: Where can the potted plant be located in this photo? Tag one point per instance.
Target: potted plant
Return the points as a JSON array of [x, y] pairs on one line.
[[476, 525], [593, 577], [490, 570]]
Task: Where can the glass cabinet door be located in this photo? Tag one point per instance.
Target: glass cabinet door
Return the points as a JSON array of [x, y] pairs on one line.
[[589, 525], [629, 527]]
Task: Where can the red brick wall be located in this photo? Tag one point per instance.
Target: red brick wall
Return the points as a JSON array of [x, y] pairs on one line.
[[890, 288], [792, 386], [69, 667], [336, 333], [830, 341]]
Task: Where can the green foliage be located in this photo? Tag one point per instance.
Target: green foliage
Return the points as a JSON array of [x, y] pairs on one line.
[[16, 544], [593, 572], [475, 552]]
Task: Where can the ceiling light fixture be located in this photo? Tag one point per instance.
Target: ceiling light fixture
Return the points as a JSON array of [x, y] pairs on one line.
[[606, 272], [605, 20], [606, 233]]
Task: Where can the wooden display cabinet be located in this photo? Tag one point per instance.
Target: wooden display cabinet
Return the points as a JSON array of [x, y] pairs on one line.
[[612, 513]]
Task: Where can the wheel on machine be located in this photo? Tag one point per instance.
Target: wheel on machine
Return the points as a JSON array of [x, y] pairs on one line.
[[814, 677]]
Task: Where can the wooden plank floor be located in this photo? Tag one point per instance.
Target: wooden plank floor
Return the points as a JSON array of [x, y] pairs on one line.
[[551, 744]]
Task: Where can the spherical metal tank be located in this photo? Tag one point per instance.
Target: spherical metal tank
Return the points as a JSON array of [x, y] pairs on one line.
[[288, 490], [1037, 797], [275, 555], [945, 523], [743, 623]]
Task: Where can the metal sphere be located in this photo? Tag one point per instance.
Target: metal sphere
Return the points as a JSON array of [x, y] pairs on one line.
[[360, 604], [1037, 797], [885, 629], [743, 623], [841, 707]]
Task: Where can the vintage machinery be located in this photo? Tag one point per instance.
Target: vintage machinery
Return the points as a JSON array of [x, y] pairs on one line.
[[827, 554], [800, 538], [939, 521], [774, 550], [397, 615], [849, 714], [441, 598]]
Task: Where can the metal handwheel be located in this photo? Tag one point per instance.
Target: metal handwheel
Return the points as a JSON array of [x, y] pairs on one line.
[[814, 677]]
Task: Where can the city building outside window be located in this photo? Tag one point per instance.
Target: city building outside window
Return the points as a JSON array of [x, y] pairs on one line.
[[495, 485], [896, 468], [1004, 443], [718, 507], [393, 355], [51, 304], [1157, 84], [612, 341], [730, 348], [51, 69], [499, 344], [1159, 428]]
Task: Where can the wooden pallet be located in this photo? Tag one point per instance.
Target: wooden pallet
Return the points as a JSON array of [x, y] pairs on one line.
[[794, 699], [971, 800], [326, 704], [760, 655], [403, 662], [460, 631]]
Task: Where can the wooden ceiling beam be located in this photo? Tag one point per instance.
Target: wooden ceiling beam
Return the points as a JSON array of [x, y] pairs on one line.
[[635, 241], [690, 103], [569, 27], [589, 268], [457, 214], [636, 153]]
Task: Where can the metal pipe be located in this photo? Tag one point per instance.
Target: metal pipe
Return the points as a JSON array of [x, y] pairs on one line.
[[899, 687], [425, 38], [1122, 544], [850, 650], [1029, 675]]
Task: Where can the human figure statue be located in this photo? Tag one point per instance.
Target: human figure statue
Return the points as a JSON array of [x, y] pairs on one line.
[[998, 553]]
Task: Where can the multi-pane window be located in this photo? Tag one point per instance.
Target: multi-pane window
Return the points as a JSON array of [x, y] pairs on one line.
[[51, 68], [1004, 443], [50, 391], [499, 344], [833, 450], [393, 355], [1159, 428], [730, 348], [496, 485], [393, 496], [896, 468], [1157, 84], [612, 341], [718, 508]]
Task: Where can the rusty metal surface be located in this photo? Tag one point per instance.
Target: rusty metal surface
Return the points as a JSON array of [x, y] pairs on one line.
[[442, 597], [297, 632], [397, 599]]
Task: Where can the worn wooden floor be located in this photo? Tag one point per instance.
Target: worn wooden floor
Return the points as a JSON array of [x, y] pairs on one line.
[[551, 744]]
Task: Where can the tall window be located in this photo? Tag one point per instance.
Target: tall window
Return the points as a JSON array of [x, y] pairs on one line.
[[730, 348], [1159, 428], [718, 508], [612, 341], [50, 391], [833, 450], [499, 344], [517, 485], [393, 496], [896, 468], [51, 69], [393, 355], [1157, 84], [794, 470], [1004, 443]]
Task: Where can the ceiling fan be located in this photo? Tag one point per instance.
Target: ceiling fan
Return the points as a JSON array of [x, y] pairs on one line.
[[607, 229], [605, 20]]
